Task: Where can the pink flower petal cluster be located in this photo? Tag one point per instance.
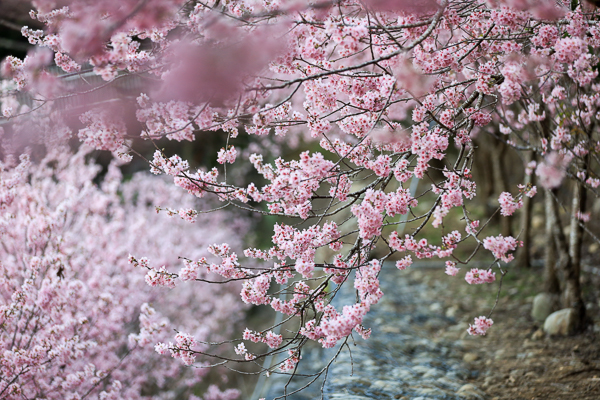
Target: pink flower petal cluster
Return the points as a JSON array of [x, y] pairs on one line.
[[552, 170], [229, 266], [65, 270], [451, 268], [376, 203], [427, 145], [367, 283], [292, 183], [480, 326], [270, 338], [568, 49], [356, 76], [404, 263], [289, 364], [478, 276], [341, 325], [508, 205], [500, 246], [227, 155], [301, 245]]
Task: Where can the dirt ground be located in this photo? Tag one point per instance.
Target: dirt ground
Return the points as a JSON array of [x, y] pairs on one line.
[[516, 360]]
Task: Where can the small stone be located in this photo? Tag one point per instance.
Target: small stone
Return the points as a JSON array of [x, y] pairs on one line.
[[432, 373], [386, 386], [543, 305], [470, 357], [420, 369], [417, 275], [561, 322], [489, 381], [500, 354], [434, 324], [368, 362], [390, 329], [378, 384], [452, 384], [451, 312], [402, 374], [469, 391], [538, 335], [460, 327], [517, 373], [531, 375], [429, 392], [435, 307]]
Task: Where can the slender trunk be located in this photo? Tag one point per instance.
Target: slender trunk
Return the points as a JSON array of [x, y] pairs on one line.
[[484, 170], [572, 293], [573, 285], [551, 281], [523, 258]]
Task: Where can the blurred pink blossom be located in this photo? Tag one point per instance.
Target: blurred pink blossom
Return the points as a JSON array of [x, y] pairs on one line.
[[552, 170], [408, 6], [216, 72]]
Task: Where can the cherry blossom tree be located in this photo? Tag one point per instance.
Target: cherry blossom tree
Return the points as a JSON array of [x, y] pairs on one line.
[[389, 92], [76, 319]]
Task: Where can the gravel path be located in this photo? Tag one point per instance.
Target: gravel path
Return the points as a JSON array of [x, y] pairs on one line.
[[403, 359]]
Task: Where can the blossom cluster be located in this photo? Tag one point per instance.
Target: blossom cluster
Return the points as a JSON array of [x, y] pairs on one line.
[[481, 326], [478, 276], [500, 246], [71, 327], [381, 94]]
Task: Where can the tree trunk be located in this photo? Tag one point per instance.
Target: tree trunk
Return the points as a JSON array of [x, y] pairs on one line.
[[551, 281], [573, 285], [523, 258], [484, 173], [572, 292]]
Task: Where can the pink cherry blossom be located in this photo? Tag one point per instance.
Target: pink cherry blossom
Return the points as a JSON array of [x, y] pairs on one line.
[[500, 246], [404, 263], [478, 276], [451, 268], [336, 127], [508, 205], [553, 169], [70, 238], [481, 326]]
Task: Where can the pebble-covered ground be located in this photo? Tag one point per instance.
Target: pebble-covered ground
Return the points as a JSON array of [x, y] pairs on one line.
[[403, 359], [419, 348]]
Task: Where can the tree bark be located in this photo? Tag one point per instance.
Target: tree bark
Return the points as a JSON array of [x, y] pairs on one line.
[[572, 292], [523, 258], [551, 281], [573, 285]]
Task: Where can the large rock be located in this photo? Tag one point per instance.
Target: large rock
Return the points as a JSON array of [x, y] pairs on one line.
[[544, 304], [562, 322]]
